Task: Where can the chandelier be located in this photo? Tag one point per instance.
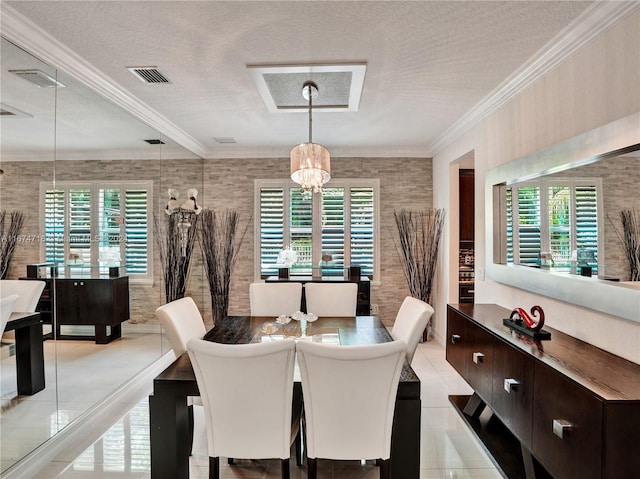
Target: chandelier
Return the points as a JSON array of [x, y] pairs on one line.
[[310, 162]]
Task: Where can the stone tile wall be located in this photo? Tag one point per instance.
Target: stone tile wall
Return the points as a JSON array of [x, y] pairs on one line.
[[222, 184]]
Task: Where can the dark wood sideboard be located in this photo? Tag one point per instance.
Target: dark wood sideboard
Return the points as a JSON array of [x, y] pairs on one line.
[[560, 408], [363, 305], [101, 301]]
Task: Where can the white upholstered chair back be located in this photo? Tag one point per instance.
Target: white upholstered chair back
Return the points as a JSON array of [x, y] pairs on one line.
[[7, 305], [182, 321], [247, 390], [349, 398], [413, 316], [274, 299], [331, 299], [28, 290]]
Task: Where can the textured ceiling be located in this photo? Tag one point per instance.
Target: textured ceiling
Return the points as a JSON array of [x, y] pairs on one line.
[[428, 63]]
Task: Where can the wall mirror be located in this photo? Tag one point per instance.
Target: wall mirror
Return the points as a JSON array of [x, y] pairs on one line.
[[554, 224], [58, 135]]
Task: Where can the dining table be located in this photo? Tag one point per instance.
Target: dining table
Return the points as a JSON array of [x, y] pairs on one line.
[[169, 412], [29, 351]]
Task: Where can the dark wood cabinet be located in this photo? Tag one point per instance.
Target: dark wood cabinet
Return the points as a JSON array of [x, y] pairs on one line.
[[467, 211], [566, 408], [102, 302]]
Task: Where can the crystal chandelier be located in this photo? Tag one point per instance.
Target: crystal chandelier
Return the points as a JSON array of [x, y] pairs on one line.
[[310, 162]]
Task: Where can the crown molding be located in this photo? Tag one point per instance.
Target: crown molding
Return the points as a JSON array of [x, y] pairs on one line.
[[27, 35], [594, 21]]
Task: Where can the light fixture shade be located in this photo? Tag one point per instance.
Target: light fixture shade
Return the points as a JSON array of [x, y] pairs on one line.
[[310, 166]]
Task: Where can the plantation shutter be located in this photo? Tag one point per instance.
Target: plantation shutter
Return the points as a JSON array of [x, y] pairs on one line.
[[528, 211], [54, 225], [362, 224], [509, 223], [560, 224], [333, 230], [586, 207], [301, 228], [136, 227], [271, 228], [79, 207]]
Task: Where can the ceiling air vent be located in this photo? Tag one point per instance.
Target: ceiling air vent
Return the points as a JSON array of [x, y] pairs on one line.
[[38, 78], [225, 139], [154, 142], [149, 75]]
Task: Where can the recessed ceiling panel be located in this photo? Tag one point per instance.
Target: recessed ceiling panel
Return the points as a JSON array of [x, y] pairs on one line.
[[339, 86]]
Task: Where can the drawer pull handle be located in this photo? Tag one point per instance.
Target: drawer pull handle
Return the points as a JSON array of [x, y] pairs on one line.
[[478, 357], [560, 427], [455, 338], [511, 384], [470, 291]]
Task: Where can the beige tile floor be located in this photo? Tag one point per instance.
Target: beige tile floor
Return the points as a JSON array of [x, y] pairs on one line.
[[449, 450]]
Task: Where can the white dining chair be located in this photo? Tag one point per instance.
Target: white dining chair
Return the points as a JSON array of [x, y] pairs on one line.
[[349, 400], [411, 320], [182, 321], [7, 305], [28, 290], [331, 299], [274, 299], [247, 391]]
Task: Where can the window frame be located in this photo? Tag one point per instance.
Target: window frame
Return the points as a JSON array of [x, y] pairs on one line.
[[286, 185], [94, 187], [543, 186]]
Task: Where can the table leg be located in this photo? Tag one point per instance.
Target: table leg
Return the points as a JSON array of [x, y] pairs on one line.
[[30, 359], [405, 440], [169, 429]]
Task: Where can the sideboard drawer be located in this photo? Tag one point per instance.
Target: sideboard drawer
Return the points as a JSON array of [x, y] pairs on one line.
[[565, 409], [479, 361], [512, 398], [456, 340]]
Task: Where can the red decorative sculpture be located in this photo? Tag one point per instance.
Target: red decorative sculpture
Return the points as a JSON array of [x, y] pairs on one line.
[[529, 321]]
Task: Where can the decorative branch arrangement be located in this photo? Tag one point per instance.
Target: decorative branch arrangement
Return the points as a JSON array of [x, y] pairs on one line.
[[419, 233], [220, 249], [175, 246], [9, 239], [631, 240]]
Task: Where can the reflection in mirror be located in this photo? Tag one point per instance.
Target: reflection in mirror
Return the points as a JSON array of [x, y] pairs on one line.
[[92, 184], [26, 157], [570, 221], [606, 158]]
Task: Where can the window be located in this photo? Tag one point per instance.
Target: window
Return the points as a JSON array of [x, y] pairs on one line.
[[98, 223], [332, 230], [554, 223]]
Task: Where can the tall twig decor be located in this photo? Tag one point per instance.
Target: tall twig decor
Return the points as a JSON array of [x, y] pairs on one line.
[[175, 246], [419, 233], [9, 238], [631, 239], [220, 246]]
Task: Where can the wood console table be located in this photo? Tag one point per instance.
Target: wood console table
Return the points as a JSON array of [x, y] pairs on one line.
[[101, 301], [570, 409]]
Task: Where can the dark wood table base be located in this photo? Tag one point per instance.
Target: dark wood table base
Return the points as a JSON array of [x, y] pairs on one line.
[[29, 351]]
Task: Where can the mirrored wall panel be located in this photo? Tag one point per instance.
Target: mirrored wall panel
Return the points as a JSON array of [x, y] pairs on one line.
[[91, 183]]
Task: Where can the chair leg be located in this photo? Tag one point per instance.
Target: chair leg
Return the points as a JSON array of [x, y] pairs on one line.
[[191, 427], [312, 468], [298, 447], [285, 468], [214, 468], [230, 461], [384, 468]]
